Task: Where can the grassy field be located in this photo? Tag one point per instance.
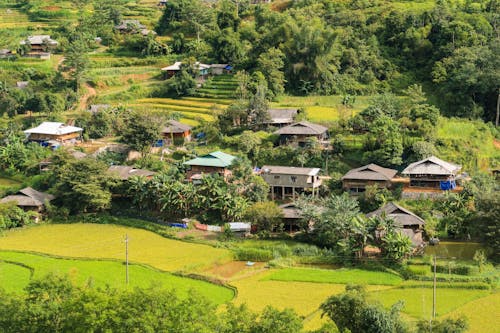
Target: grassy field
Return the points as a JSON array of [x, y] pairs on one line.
[[339, 276], [100, 273], [106, 242], [8, 183]]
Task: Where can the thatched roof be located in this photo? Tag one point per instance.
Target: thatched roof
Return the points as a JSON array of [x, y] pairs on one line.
[[28, 197], [302, 128], [285, 170], [174, 126], [432, 166], [370, 172], [124, 172], [401, 216], [281, 116]]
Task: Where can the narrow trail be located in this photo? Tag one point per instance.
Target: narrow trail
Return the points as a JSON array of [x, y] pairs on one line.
[[83, 103]]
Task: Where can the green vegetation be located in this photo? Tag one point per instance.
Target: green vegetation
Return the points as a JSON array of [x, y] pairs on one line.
[[338, 276], [103, 273]]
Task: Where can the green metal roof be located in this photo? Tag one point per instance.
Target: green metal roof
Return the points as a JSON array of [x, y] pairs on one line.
[[215, 159]]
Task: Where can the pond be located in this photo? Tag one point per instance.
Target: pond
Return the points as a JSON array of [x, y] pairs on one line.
[[457, 250]]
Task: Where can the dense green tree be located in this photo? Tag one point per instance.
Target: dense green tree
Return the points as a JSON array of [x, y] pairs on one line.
[[351, 312], [82, 185], [271, 65], [265, 216], [140, 132], [445, 326]]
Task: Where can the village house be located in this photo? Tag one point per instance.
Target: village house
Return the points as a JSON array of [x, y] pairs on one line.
[[176, 133], [214, 163], [289, 182], [299, 133], [407, 222], [53, 133], [124, 172], [432, 173], [356, 180], [130, 26], [162, 3], [202, 70], [40, 46], [29, 199], [281, 117]]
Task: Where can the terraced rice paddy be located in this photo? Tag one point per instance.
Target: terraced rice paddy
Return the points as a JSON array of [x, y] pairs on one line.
[[17, 268]]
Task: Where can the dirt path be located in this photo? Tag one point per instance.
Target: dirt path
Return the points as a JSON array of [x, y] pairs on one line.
[[91, 92], [496, 143]]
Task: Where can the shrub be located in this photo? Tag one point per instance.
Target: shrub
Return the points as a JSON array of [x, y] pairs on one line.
[[459, 269]]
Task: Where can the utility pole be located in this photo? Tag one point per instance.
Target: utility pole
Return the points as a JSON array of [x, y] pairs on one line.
[[126, 258], [434, 292]]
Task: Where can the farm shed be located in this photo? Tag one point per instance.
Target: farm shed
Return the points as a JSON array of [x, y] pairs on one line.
[[176, 131], [356, 180], [201, 69]]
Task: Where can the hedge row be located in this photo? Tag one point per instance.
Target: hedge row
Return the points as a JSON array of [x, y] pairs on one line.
[[253, 254], [459, 269]]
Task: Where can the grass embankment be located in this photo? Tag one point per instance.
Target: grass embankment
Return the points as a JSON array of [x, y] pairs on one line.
[[106, 242], [14, 275]]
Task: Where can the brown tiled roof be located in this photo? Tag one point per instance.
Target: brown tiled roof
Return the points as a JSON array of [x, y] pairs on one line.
[[370, 172], [401, 216], [302, 128]]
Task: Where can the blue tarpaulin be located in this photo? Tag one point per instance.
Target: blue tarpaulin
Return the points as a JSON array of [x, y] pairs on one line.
[[447, 185], [178, 225]]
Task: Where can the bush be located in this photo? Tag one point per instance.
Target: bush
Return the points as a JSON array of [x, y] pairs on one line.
[[253, 254], [459, 269]]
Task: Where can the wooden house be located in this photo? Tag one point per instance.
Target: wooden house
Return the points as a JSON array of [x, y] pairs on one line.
[[53, 131], [299, 133], [124, 172], [406, 221], [214, 163], [29, 199], [176, 132], [291, 181], [40, 46], [356, 180], [281, 117], [291, 216], [5, 53], [130, 26], [432, 173]]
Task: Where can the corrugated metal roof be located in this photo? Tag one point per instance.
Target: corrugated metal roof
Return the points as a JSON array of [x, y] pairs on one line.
[[274, 169], [214, 159], [39, 39], [370, 172], [53, 128], [432, 166]]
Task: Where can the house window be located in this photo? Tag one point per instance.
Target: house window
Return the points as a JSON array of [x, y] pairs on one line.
[[294, 179], [276, 177]]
